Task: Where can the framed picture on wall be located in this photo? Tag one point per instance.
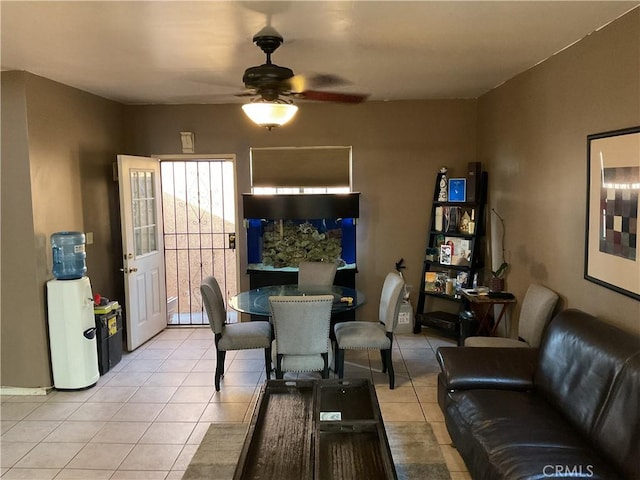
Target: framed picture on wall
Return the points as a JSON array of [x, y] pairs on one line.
[[612, 259], [457, 189]]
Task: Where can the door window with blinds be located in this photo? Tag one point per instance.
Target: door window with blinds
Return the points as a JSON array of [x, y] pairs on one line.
[[288, 170]]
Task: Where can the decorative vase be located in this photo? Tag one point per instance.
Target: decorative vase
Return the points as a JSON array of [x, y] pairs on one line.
[[443, 195], [496, 284]]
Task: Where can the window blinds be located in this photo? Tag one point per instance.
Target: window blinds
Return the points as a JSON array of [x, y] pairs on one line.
[[301, 167]]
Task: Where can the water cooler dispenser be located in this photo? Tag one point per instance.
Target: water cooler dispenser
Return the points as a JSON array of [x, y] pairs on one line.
[[69, 256], [72, 329]]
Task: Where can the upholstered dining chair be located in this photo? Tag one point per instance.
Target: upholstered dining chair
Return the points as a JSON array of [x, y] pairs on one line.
[[232, 336], [361, 335], [316, 273], [537, 307], [301, 327]]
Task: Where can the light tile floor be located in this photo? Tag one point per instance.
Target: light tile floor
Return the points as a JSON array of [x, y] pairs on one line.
[[146, 417]]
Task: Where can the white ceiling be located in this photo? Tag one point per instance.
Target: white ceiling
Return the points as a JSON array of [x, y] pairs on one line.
[[153, 52]]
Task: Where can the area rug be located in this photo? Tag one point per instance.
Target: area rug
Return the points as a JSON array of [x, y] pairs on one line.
[[414, 448]]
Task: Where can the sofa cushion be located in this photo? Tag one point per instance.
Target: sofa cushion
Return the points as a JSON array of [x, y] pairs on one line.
[[510, 434], [492, 368], [580, 357], [618, 427]]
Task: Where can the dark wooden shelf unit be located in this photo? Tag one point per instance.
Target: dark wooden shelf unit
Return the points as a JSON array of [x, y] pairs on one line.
[[427, 314]]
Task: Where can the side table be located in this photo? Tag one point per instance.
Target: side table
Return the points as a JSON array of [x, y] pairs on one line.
[[482, 305]]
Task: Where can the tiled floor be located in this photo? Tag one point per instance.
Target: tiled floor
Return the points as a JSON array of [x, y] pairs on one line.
[[145, 418]]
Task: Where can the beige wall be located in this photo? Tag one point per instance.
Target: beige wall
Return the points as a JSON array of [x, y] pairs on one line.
[[25, 357], [398, 148], [63, 181], [532, 133]]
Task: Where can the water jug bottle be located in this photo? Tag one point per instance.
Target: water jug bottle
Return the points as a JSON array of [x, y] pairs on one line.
[[68, 255]]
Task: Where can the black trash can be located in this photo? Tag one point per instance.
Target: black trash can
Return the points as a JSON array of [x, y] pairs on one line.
[[468, 325], [108, 335]]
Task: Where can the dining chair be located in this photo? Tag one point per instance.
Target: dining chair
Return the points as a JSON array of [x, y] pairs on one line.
[[364, 335], [301, 328], [316, 273], [537, 308], [232, 336]]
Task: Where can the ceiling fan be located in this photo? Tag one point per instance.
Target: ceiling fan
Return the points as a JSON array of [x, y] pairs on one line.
[[269, 83]]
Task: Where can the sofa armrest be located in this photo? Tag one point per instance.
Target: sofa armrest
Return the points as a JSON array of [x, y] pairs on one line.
[[487, 367]]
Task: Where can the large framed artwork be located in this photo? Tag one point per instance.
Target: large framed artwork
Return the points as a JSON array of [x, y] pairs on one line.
[[613, 189]]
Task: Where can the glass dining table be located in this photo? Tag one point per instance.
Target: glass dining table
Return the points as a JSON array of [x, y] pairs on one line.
[[256, 301]]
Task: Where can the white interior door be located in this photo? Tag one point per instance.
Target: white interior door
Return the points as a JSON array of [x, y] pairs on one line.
[[142, 247]]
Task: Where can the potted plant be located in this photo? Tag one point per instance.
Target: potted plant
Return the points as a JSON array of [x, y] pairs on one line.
[[496, 283]]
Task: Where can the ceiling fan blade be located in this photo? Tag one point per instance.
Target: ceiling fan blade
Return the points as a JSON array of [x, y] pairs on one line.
[[323, 96], [248, 93], [300, 83], [297, 83], [324, 80]]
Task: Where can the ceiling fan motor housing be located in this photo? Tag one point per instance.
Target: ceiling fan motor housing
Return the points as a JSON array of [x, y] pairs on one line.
[[266, 76]]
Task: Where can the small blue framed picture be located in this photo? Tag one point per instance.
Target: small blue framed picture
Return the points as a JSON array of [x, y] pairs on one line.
[[457, 189]]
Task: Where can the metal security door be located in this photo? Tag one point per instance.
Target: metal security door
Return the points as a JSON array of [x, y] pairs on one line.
[[199, 233]]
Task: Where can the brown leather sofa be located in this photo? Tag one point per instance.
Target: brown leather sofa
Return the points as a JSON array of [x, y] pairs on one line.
[[569, 409]]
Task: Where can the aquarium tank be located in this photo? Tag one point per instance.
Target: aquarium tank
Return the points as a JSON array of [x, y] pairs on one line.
[[279, 237]]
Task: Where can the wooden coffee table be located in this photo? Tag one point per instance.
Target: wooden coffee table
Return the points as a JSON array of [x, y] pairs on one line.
[[322, 429]]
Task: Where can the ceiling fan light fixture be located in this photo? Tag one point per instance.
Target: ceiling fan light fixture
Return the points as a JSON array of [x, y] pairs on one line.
[[270, 114]]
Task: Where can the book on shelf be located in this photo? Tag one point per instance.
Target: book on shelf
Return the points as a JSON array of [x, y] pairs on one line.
[[474, 292]]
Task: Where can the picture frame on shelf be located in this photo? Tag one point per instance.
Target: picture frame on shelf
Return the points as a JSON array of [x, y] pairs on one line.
[[445, 254], [612, 257], [462, 279], [457, 189], [460, 251]]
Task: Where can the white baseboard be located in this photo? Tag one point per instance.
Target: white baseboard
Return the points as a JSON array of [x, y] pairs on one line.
[[24, 391]]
